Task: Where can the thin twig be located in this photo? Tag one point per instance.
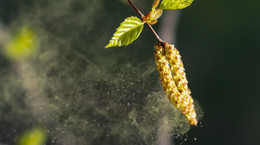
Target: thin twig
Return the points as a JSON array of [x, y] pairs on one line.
[[155, 34], [142, 15], [137, 10]]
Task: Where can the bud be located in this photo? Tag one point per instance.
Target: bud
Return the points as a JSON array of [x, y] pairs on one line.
[[156, 3]]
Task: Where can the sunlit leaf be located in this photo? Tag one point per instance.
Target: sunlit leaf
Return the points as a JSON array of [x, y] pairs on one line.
[[128, 31], [175, 4]]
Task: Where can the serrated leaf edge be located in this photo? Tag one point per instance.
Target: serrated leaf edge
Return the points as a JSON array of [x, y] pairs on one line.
[[123, 29], [165, 4]]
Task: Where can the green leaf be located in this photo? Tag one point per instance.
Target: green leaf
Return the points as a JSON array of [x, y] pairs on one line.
[[175, 4], [128, 31]]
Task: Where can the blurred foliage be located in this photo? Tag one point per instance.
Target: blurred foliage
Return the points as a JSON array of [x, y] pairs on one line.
[[33, 137], [22, 45]]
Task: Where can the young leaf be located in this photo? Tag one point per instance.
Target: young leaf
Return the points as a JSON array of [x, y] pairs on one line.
[[156, 14], [175, 4], [152, 16], [128, 31]]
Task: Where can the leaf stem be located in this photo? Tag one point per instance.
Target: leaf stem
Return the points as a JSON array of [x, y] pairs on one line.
[[142, 15]]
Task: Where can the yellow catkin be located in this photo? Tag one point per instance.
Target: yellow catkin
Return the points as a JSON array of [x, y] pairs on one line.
[[179, 76], [173, 80], [165, 72]]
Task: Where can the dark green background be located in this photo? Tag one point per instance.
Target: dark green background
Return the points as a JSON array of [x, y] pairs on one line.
[[218, 41]]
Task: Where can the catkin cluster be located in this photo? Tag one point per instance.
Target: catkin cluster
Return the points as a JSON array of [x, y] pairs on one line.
[[173, 79]]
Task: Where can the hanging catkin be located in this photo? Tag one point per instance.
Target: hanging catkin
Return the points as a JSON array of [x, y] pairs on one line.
[[165, 72], [173, 79]]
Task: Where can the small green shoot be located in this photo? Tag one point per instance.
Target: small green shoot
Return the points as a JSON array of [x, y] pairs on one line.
[[132, 27]]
